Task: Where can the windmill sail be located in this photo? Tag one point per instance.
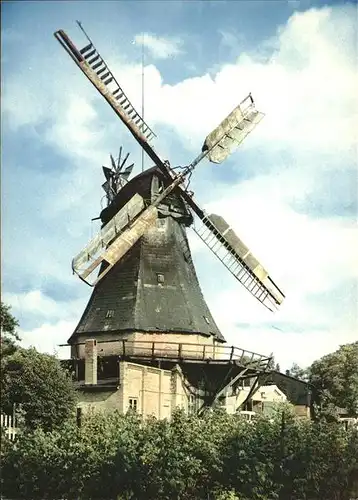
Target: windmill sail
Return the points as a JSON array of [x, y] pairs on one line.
[[125, 241], [241, 249], [95, 68], [122, 244], [84, 260], [127, 172], [133, 228], [216, 233], [232, 131], [107, 172]]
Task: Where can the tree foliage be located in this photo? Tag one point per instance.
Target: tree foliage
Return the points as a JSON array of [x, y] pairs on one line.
[[297, 372], [32, 381], [336, 378], [217, 456], [38, 384], [9, 333]]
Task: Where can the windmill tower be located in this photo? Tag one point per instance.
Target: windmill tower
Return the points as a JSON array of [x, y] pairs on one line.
[[153, 291], [146, 303]]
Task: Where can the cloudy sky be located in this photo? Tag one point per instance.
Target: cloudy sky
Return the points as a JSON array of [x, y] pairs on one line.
[[290, 191]]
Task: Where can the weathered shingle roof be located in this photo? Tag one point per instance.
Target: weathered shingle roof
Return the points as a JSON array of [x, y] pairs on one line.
[[131, 298]]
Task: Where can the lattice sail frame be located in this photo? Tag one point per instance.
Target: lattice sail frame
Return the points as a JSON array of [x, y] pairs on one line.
[[238, 259]]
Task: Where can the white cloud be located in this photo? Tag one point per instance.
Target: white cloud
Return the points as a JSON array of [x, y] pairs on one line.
[[291, 347], [311, 259], [308, 254], [33, 302], [21, 111], [48, 337], [75, 129], [307, 89], [57, 319], [159, 47], [37, 303]]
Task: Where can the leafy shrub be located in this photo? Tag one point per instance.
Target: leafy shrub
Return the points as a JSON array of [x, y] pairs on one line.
[[217, 456]]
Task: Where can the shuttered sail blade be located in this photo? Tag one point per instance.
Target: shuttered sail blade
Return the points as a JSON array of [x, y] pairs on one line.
[[232, 131], [216, 233], [96, 250], [239, 246]]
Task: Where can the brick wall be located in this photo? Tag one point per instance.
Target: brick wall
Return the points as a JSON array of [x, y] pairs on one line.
[[100, 401], [152, 388], [152, 391]]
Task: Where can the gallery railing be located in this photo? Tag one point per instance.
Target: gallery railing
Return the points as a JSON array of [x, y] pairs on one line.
[[173, 351]]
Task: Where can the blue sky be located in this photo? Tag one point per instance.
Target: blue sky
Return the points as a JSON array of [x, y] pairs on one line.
[[290, 191]]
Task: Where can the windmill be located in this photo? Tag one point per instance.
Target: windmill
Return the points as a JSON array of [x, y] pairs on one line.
[[144, 235], [130, 223]]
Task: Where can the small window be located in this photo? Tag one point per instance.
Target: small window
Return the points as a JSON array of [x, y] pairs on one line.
[[133, 404], [110, 313], [207, 320], [160, 278]]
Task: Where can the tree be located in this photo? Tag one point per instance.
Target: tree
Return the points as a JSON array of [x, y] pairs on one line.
[[39, 384], [32, 380], [336, 378], [9, 334], [297, 372], [217, 456], [272, 365]]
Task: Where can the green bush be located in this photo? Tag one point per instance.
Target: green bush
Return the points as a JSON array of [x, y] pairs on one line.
[[38, 384], [217, 456]]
